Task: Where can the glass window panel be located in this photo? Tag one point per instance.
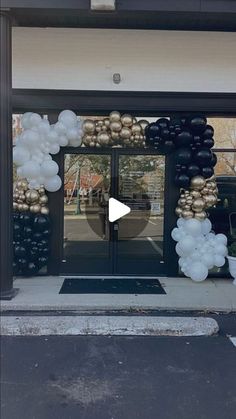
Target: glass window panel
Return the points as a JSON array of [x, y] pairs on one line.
[[225, 132], [223, 215]]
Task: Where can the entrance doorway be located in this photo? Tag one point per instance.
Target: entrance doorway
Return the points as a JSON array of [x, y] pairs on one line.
[[138, 243]]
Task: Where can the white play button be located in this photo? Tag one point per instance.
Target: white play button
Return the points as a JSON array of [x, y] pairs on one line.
[[117, 210]]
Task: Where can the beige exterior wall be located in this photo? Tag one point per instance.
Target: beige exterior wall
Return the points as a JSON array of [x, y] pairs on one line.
[[147, 60]]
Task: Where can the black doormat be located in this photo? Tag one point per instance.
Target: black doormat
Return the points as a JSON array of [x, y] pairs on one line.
[[111, 286]]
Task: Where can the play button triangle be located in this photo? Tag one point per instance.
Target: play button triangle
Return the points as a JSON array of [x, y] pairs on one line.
[[117, 210]]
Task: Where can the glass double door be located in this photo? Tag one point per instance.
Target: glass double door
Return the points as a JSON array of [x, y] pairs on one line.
[[132, 245]]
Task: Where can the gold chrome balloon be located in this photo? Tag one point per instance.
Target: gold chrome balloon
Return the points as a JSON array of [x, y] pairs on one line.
[[35, 208], [200, 215], [43, 199], [89, 126], [114, 116], [195, 194], [20, 207], [106, 122], [198, 183], [103, 138], [143, 123], [44, 210], [25, 207], [125, 133], [32, 196], [127, 120], [178, 211], [15, 206], [41, 191], [116, 126], [136, 129], [198, 205], [187, 214]]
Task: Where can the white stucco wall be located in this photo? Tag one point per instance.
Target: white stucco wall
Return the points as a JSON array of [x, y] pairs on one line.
[[56, 58]]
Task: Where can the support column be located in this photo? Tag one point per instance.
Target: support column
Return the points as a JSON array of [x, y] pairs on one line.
[[6, 245]]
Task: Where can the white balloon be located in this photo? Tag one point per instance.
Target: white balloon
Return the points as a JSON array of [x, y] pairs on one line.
[[20, 155], [31, 138], [31, 169], [187, 245], [220, 249], [54, 149], [25, 121], [219, 261], [180, 222], [193, 227], [63, 141], [68, 118], [179, 250], [72, 134], [34, 184], [52, 137], [47, 157], [34, 119], [49, 168], [175, 234], [44, 127], [198, 272], [221, 238], [206, 226], [60, 128], [53, 184], [208, 260], [76, 143]]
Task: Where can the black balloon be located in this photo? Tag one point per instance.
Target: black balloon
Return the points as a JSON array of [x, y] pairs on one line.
[[213, 160], [182, 180], [183, 139], [203, 157], [163, 123], [183, 155], [31, 269], [42, 261], [22, 263], [152, 130], [169, 146], [197, 124], [17, 230], [208, 133], [193, 170], [20, 251], [165, 134], [208, 142], [46, 233], [207, 172], [41, 222], [27, 232], [26, 218], [37, 237]]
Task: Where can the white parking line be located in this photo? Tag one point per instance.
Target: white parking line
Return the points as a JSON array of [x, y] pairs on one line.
[[233, 340], [155, 246], [151, 222]]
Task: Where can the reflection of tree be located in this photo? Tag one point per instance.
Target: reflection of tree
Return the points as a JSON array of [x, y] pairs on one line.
[[225, 137], [88, 165]]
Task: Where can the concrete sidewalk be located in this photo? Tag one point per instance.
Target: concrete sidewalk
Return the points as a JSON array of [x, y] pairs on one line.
[[42, 294]]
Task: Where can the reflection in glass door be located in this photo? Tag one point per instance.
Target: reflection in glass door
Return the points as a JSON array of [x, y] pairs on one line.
[[141, 184], [86, 247]]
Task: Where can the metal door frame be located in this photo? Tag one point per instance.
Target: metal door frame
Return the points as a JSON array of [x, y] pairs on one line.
[[170, 196]]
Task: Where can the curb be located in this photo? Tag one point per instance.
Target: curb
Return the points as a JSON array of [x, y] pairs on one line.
[[107, 326]]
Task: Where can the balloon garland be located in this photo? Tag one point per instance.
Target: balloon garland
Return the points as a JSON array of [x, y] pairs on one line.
[[117, 131], [191, 139], [31, 229], [36, 143]]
